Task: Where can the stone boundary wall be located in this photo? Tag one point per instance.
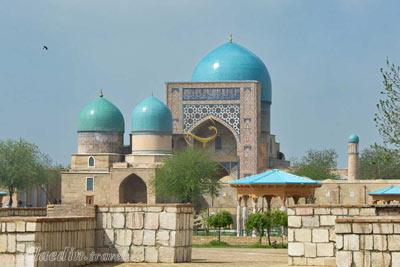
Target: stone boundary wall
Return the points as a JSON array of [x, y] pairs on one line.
[[145, 233], [368, 242], [7, 212], [311, 231], [21, 238]]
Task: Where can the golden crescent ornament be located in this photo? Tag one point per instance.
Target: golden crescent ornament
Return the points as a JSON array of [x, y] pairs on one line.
[[189, 137]]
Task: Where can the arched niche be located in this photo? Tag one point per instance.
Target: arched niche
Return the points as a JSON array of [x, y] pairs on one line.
[[133, 190]]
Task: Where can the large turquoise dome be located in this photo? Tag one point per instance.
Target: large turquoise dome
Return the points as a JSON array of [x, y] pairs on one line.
[[101, 115], [151, 115], [232, 62]]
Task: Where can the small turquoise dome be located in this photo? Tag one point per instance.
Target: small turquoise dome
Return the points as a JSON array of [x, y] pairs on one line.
[[354, 139], [101, 115], [151, 115], [232, 62]]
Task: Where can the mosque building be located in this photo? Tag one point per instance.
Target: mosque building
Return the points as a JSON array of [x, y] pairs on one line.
[[225, 108]]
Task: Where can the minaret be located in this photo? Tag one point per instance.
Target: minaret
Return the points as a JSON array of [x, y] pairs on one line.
[[353, 158]]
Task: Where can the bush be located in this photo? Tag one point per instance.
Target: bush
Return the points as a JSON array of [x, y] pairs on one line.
[[221, 219], [258, 222], [218, 243]]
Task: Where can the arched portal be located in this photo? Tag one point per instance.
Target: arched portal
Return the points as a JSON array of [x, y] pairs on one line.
[[223, 148], [133, 190]]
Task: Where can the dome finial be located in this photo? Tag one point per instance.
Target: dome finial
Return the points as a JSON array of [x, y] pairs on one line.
[[230, 38], [101, 93]]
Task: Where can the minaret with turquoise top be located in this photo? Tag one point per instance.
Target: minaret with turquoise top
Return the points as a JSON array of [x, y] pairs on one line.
[[353, 158]]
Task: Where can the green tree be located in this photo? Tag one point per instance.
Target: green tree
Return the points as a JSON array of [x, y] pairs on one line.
[[221, 219], [378, 162], [259, 222], [280, 219], [185, 176], [50, 181], [387, 118], [21, 165], [317, 165]]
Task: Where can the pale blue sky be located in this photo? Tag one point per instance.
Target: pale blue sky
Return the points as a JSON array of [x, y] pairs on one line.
[[323, 58]]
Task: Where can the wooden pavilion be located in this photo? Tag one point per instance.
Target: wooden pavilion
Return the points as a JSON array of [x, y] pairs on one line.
[[267, 185], [386, 195]]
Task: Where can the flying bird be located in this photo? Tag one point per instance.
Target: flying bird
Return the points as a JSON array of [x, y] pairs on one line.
[[45, 48]]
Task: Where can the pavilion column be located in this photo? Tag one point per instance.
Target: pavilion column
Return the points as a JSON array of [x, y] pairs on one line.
[[238, 215], [255, 202], [244, 214], [283, 198], [269, 200]]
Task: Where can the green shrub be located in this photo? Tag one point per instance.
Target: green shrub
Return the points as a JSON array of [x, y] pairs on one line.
[[221, 219]]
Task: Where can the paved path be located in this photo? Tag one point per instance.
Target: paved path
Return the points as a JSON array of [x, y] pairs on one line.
[[224, 257]]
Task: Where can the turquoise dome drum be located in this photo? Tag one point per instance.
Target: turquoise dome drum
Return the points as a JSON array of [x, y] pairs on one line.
[[151, 116], [232, 62], [101, 115], [354, 139]]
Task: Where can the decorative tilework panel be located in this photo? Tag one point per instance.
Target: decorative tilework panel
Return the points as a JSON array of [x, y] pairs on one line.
[[229, 113], [211, 93]]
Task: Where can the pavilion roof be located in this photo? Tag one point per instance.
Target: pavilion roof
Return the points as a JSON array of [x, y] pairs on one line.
[[389, 190], [274, 177]]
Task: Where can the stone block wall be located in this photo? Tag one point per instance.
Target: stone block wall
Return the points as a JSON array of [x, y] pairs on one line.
[[368, 241], [145, 233], [6, 212], [311, 232], [30, 241]]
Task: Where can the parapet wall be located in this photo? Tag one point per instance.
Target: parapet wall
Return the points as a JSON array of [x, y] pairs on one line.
[[145, 233], [311, 233], [368, 241], [70, 210], [7, 212]]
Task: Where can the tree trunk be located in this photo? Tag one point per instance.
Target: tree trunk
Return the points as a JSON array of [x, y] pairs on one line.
[[208, 216], [48, 197], [269, 236], [10, 201], [260, 238], [219, 235]]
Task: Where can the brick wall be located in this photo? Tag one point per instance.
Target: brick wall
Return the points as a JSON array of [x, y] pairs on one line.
[[311, 232], [145, 233], [368, 241]]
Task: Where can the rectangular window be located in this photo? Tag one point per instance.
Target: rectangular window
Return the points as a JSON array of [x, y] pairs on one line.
[[89, 200], [89, 184]]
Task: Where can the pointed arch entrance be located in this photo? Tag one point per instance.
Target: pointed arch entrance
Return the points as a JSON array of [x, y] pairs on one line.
[[223, 148], [133, 190]]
